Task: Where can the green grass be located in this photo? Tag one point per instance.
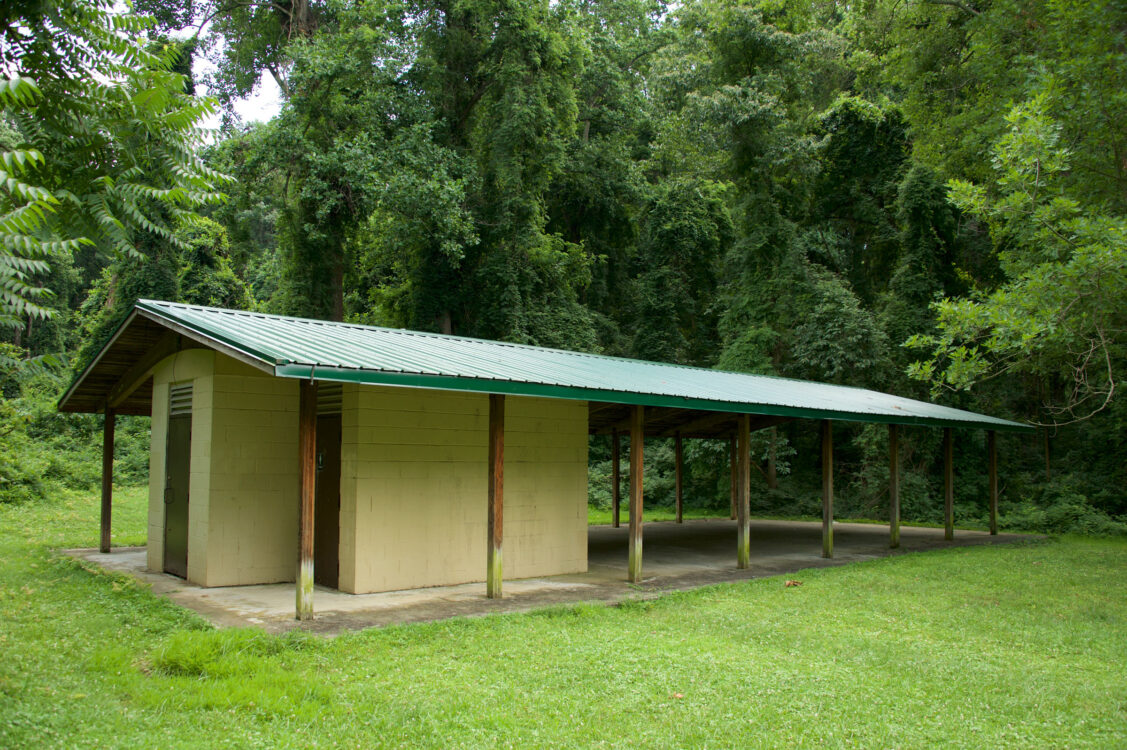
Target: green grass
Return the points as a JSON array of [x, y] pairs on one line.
[[1015, 646], [597, 516]]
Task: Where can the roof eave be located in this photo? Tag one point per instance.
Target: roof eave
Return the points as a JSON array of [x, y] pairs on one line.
[[65, 398], [149, 311], [524, 388], [256, 359]]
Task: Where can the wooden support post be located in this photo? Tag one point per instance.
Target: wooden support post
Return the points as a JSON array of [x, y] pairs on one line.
[[307, 457], [734, 469], [772, 474], [496, 494], [992, 450], [743, 509], [893, 486], [678, 479], [827, 489], [107, 477], [637, 439], [616, 479], [948, 485]]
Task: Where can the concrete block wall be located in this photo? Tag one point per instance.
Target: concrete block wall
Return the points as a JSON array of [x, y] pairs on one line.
[[414, 488], [243, 494], [545, 487], [413, 484], [254, 483]]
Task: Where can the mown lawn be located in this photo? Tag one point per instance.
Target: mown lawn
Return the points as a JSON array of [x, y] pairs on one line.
[[598, 516], [1022, 646]]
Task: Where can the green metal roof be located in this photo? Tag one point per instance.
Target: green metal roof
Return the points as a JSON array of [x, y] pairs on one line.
[[345, 352]]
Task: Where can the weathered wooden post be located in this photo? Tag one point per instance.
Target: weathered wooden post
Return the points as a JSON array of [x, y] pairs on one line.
[[827, 489], [893, 486], [637, 441], [948, 485], [992, 450], [743, 507], [678, 458], [307, 452], [494, 569], [615, 475], [733, 466], [107, 477]]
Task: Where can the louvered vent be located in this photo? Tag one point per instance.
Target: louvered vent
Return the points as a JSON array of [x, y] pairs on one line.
[[328, 398], [180, 399]]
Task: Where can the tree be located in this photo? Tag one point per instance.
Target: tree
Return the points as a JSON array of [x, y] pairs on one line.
[[838, 341], [205, 275], [243, 38], [356, 143], [686, 231], [103, 142], [1059, 314], [862, 155], [928, 244]]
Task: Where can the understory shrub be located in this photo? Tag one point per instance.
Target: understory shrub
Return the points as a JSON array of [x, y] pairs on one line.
[[1061, 507], [42, 450]]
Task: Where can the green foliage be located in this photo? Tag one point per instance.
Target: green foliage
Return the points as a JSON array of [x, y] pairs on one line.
[[80, 85], [1062, 508], [44, 453], [958, 67], [1058, 316], [863, 153], [838, 341], [206, 276], [686, 232], [758, 186], [120, 286]]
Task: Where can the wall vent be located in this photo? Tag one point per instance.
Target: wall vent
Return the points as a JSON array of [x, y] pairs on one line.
[[329, 398], [180, 399]]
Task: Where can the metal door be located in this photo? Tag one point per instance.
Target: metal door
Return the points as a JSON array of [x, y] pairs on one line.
[[177, 462], [326, 515]]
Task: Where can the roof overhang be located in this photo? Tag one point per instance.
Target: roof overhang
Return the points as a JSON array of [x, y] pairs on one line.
[[119, 377], [120, 374]]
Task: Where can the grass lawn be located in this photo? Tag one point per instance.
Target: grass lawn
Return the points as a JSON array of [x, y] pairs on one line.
[[597, 516], [1021, 646]]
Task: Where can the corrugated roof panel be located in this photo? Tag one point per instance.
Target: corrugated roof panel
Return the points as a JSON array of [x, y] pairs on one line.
[[366, 354]]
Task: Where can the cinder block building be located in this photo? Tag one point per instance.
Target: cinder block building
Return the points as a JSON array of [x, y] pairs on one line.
[[372, 459]]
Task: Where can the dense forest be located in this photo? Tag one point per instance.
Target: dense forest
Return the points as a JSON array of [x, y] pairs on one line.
[[927, 198]]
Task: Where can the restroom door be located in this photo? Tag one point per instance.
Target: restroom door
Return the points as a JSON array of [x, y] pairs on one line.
[[177, 462], [326, 517]]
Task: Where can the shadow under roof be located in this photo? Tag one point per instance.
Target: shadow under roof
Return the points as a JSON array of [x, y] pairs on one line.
[[344, 352]]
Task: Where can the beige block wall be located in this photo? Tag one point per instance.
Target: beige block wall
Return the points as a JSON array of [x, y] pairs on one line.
[[254, 483], [413, 489], [242, 509], [413, 486], [545, 487]]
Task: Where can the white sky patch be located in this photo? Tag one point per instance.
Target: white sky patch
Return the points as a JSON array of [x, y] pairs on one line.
[[263, 103]]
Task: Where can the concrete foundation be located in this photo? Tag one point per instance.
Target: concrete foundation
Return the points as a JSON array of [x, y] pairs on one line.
[[677, 556]]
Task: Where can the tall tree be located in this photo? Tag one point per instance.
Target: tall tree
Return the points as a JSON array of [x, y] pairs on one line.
[[1059, 313]]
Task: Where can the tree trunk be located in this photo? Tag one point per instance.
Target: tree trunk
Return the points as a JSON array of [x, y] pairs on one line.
[[338, 289]]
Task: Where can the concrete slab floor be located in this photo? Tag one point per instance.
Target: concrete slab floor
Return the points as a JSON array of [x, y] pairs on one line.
[[676, 557]]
